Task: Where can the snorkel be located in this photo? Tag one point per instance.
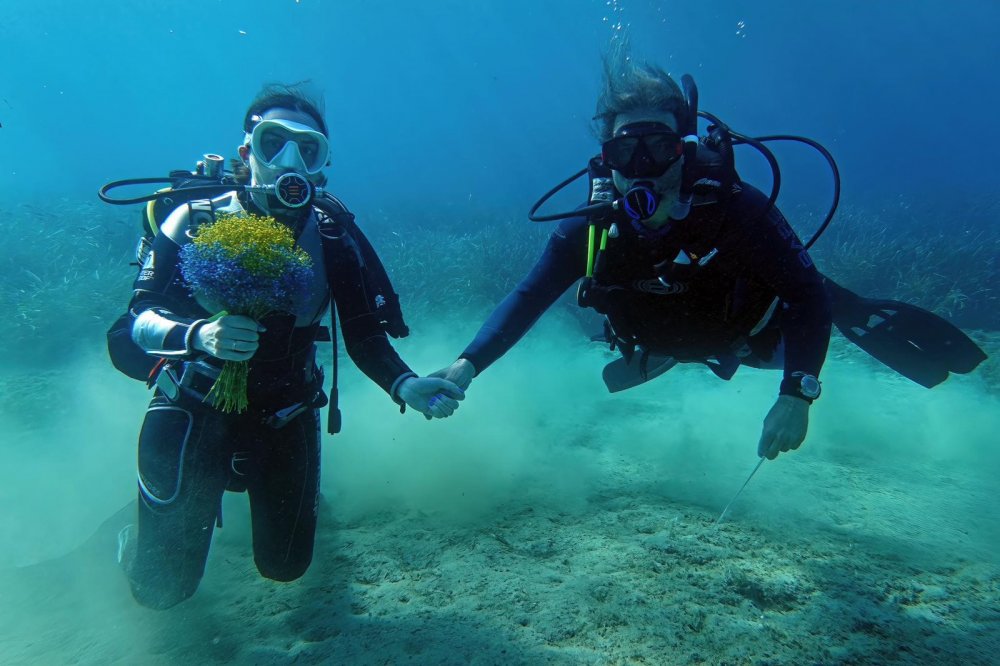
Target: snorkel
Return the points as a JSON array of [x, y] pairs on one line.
[[689, 166]]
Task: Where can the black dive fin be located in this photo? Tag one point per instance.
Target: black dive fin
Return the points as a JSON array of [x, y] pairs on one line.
[[916, 343], [724, 366], [624, 373]]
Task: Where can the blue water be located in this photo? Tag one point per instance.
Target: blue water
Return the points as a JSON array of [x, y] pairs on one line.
[[490, 102], [547, 522]]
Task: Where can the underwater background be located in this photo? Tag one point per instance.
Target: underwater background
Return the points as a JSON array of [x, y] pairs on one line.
[[547, 521]]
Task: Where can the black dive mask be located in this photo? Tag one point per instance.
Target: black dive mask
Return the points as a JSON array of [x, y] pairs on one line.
[[643, 150]]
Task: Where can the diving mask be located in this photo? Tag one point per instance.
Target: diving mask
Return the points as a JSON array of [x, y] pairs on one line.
[[643, 150], [289, 146]]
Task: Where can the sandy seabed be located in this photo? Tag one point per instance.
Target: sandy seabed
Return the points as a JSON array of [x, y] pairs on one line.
[[596, 545]]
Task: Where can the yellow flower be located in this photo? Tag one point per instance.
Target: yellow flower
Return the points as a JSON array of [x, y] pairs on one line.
[[261, 245]]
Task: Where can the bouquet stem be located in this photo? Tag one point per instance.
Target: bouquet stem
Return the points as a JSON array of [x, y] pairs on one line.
[[229, 392]]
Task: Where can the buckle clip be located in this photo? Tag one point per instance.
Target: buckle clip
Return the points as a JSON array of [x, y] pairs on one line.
[[283, 417], [168, 384], [197, 379]]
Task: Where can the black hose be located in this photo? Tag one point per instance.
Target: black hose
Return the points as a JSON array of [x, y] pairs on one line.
[[734, 138], [593, 208], [833, 167], [197, 190], [771, 160], [760, 147]]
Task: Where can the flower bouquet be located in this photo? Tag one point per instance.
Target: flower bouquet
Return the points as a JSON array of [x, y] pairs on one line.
[[248, 265]]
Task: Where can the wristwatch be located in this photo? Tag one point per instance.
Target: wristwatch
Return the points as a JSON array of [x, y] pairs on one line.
[[802, 385]]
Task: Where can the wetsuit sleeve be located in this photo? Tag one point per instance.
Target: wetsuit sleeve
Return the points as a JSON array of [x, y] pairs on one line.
[[562, 263], [364, 337], [165, 316], [778, 258]]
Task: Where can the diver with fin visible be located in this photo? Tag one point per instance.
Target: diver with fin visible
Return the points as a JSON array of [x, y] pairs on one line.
[[918, 344], [688, 263]]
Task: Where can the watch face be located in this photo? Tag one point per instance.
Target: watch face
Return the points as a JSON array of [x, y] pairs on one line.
[[809, 386]]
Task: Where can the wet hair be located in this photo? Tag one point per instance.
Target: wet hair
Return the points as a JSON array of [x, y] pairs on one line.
[[630, 86], [286, 96], [241, 172]]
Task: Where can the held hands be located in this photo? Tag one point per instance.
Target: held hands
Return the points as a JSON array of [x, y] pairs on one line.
[[432, 396], [236, 338], [460, 372], [230, 338], [784, 427], [437, 394]]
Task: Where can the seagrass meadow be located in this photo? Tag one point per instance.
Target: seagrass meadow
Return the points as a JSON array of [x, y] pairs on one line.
[[74, 261], [548, 521]]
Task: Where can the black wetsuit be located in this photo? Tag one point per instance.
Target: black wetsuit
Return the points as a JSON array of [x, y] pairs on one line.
[[706, 311], [190, 453]]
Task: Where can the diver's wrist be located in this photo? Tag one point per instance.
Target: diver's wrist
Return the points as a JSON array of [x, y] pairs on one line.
[[801, 385], [397, 385], [794, 400], [193, 344], [466, 366]]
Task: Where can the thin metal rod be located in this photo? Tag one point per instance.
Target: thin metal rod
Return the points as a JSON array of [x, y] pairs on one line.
[[724, 511]]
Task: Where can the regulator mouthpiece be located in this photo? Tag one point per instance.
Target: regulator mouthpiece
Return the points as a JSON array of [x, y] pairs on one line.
[[291, 190], [641, 202]]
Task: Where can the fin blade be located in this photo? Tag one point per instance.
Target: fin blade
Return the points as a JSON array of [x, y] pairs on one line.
[[899, 355], [620, 374], [914, 342]]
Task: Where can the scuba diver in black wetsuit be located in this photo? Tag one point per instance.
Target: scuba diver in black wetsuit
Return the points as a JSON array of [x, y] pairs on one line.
[[690, 264], [189, 452]]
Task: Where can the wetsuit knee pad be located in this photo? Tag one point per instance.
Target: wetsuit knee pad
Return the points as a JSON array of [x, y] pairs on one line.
[[163, 443], [283, 570], [165, 594]]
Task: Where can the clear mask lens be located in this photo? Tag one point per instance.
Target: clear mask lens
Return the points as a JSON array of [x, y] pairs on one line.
[[283, 143]]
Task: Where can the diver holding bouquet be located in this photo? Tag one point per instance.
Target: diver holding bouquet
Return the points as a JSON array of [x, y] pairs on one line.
[[236, 286]]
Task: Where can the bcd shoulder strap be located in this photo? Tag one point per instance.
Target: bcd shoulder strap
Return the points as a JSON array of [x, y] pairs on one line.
[[353, 266], [377, 283]]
